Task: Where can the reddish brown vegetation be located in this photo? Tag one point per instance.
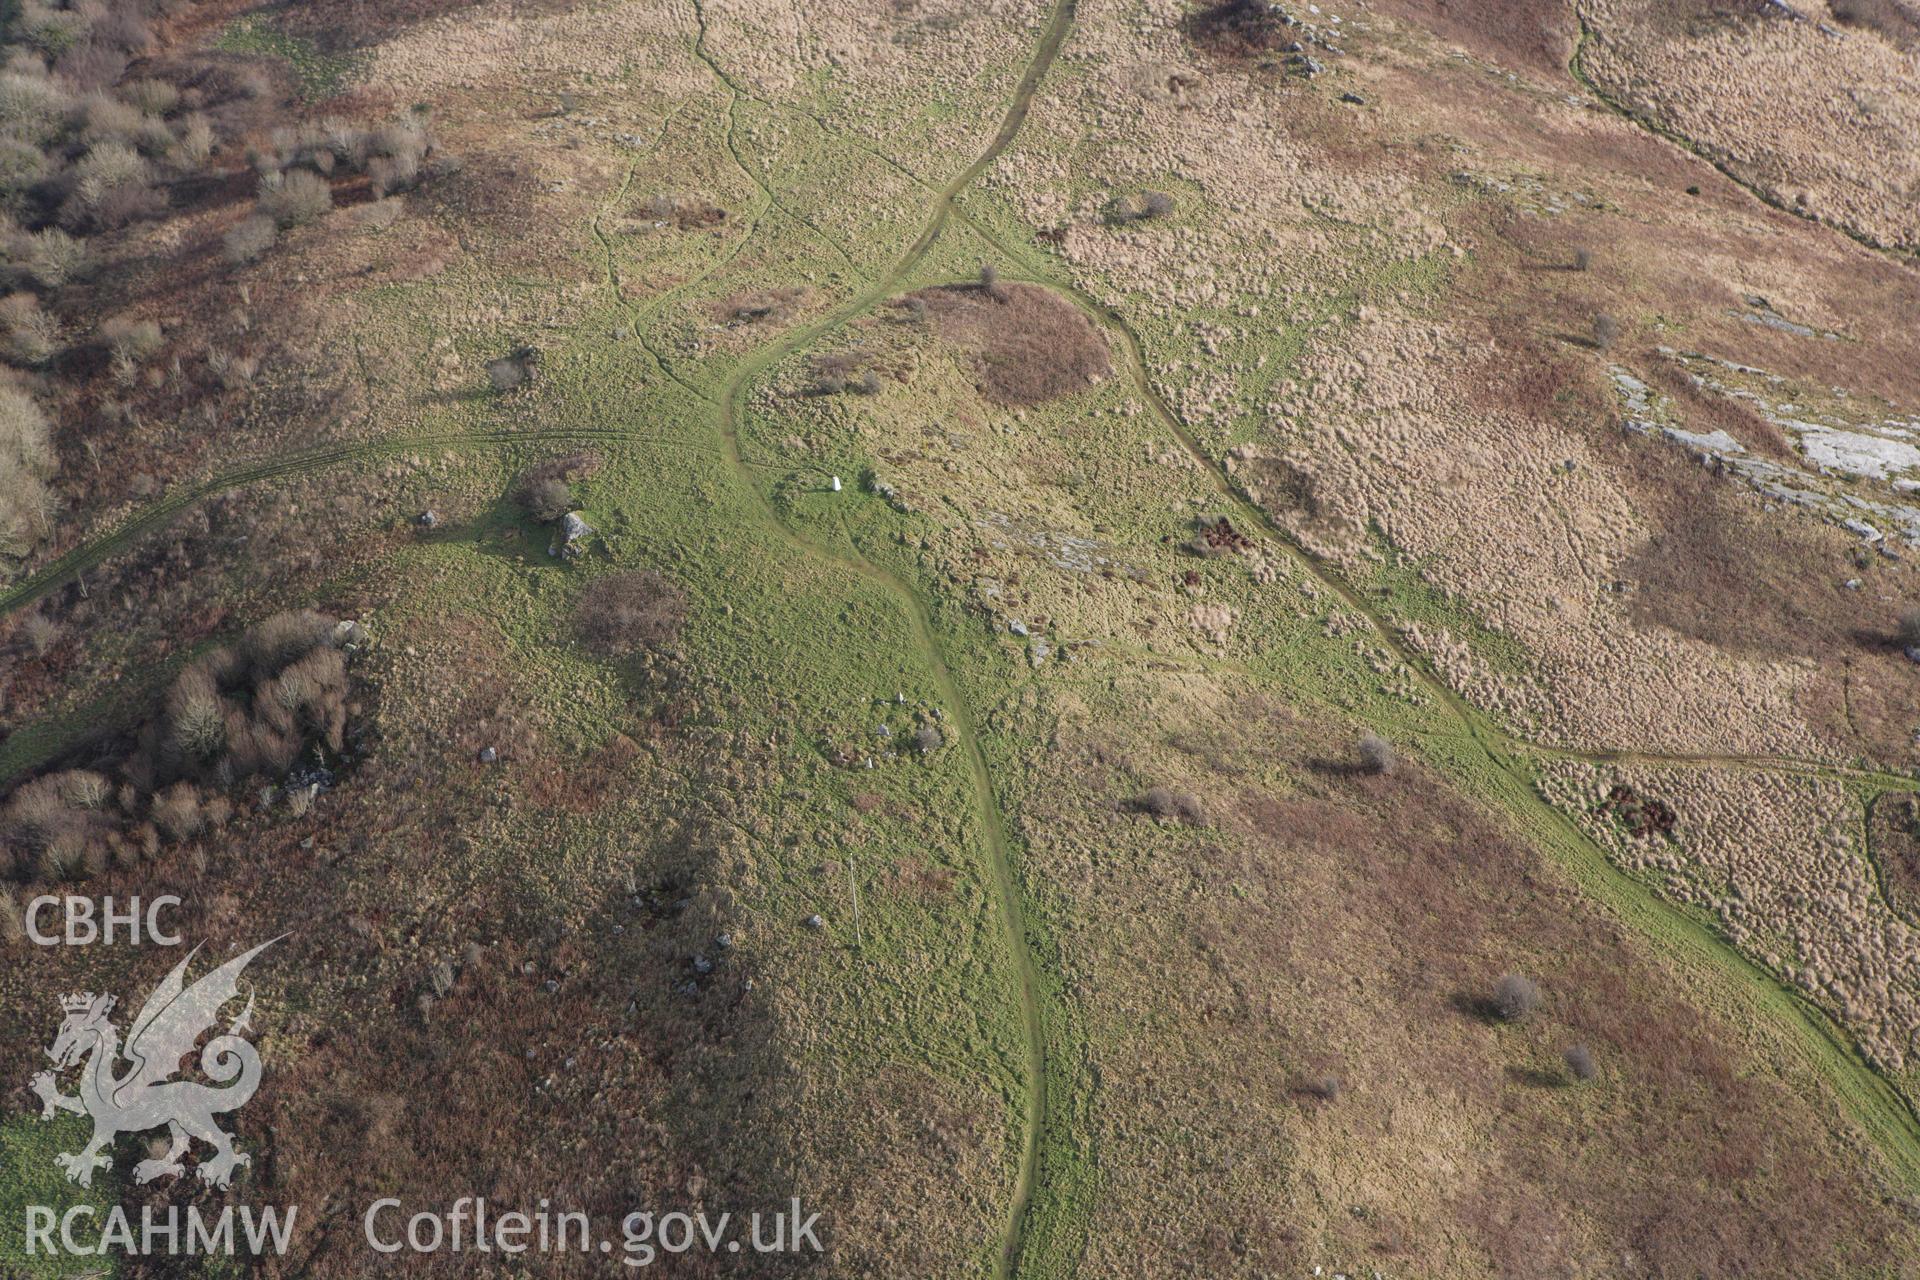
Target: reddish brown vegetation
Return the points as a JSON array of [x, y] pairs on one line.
[[1406, 851], [1030, 345], [1218, 537], [1267, 946], [1894, 839], [336, 25], [620, 613], [1532, 33], [1642, 817], [1236, 29], [1895, 20]]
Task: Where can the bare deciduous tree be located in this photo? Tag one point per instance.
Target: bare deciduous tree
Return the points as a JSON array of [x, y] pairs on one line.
[[1606, 330], [294, 198], [990, 282], [1514, 997], [1377, 754]]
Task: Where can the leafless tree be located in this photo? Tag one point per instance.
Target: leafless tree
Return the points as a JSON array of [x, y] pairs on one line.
[[1514, 997], [1606, 330]]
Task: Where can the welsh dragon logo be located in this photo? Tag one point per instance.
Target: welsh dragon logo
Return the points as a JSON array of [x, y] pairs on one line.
[[144, 1094]]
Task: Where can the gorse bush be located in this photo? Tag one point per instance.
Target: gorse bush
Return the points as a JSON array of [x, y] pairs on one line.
[[1167, 804], [1908, 632], [1606, 331], [111, 185], [990, 282], [547, 498], [33, 108], [154, 97], [1144, 207], [514, 370], [23, 167], [131, 338]]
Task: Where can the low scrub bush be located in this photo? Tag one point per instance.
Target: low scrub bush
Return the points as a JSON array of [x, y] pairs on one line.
[[235, 713], [1169, 805], [840, 371], [1606, 331], [22, 168], [1377, 754], [1144, 207], [990, 282], [51, 258], [131, 339], [1897, 22], [545, 491], [514, 370], [1908, 632]]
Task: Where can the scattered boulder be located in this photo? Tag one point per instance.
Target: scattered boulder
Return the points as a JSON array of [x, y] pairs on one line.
[[569, 543]]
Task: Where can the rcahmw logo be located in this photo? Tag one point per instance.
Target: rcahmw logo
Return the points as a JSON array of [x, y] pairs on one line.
[[131, 1088]]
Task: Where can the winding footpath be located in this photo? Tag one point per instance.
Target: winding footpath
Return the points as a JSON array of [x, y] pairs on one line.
[[994, 829]]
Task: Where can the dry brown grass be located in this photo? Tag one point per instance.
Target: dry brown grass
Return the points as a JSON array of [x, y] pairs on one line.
[[1778, 861], [1535, 34], [1830, 149], [1270, 967]]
